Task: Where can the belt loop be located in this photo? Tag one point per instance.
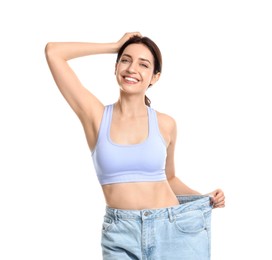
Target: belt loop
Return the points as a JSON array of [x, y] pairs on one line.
[[171, 215], [115, 216]]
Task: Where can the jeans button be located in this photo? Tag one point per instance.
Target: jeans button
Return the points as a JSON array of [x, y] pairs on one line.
[[146, 213]]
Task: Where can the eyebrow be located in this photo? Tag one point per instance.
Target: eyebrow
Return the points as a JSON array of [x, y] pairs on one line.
[[142, 59]]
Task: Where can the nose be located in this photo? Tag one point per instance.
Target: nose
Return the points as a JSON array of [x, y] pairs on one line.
[[132, 67]]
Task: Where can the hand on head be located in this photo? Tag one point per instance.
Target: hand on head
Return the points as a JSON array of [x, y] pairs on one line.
[[127, 36]]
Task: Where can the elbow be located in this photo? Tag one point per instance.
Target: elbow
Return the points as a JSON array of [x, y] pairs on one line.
[[50, 49], [171, 178]]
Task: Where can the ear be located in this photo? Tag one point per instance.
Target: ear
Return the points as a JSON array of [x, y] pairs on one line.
[[155, 78]]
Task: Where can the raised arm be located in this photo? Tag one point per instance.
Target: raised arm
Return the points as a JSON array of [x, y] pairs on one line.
[[88, 107], [79, 98]]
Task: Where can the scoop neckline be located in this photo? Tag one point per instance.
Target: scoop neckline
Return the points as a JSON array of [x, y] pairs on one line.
[[128, 145]]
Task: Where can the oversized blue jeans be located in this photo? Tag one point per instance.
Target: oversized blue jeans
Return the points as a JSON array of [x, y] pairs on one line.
[[180, 232]]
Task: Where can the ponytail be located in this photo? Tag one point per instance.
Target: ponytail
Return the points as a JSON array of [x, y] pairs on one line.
[[147, 101]]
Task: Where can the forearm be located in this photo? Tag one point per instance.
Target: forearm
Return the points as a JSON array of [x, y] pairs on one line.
[[179, 188], [71, 50]]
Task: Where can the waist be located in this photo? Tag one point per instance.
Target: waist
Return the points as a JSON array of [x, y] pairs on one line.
[[186, 203], [139, 195]]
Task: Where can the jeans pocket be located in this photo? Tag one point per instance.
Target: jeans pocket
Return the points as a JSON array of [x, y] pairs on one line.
[[108, 224], [191, 221]]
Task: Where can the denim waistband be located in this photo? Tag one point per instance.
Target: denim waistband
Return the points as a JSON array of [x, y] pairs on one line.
[[187, 203]]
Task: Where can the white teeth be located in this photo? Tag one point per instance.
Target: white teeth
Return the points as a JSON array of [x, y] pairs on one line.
[[131, 79]]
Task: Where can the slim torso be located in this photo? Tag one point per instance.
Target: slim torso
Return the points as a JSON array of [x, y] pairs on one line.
[[140, 195], [133, 130]]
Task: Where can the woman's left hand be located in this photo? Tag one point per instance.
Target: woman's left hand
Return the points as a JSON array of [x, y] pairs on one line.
[[218, 198]]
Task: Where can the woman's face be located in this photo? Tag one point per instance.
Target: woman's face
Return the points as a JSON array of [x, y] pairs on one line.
[[134, 70]]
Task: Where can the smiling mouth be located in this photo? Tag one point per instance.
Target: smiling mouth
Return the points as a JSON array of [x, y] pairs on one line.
[[131, 80]]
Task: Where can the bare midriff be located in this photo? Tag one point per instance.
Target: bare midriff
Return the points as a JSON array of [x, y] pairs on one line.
[[139, 195]]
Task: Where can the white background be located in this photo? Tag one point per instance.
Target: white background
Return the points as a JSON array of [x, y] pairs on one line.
[[216, 83]]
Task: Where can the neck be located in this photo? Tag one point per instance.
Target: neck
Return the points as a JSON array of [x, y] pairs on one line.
[[130, 108]]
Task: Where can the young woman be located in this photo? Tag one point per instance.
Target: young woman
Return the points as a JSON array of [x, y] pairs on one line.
[[150, 212]]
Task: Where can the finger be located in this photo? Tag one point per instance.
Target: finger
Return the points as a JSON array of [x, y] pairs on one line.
[[219, 195], [131, 34], [219, 204], [136, 33]]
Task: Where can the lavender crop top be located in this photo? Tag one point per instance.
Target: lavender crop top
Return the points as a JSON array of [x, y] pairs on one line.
[[117, 163]]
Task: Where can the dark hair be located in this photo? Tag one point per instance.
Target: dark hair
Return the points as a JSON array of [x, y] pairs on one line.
[[154, 49]]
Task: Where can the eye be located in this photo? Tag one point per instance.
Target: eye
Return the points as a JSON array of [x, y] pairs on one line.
[[124, 60], [144, 65]]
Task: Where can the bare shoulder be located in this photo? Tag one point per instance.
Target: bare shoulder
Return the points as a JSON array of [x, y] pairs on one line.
[[166, 120], [167, 126]]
